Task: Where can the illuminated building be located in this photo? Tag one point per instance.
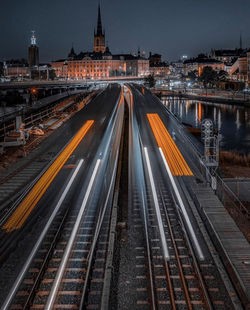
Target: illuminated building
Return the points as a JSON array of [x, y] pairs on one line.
[[100, 63], [200, 62], [156, 66], [248, 69], [154, 59], [16, 69], [238, 70], [227, 56], [215, 65]]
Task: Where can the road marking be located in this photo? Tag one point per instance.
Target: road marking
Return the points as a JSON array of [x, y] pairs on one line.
[[39, 241], [183, 209], [157, 208], [67, 252], [177, 164], [24, 209]]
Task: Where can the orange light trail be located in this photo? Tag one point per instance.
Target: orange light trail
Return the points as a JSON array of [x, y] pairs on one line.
[[24, 209], [199, 112], [174, 158]]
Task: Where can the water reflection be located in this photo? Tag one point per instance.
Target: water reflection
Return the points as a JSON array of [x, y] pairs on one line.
[[233, 122]]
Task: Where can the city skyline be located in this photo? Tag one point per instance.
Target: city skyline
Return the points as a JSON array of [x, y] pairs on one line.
[[152, 27]]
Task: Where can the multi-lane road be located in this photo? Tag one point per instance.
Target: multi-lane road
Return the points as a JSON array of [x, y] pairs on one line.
[[110, 223]]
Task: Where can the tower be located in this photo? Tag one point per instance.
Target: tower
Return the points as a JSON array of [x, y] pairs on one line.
[[240, 41], [99, 35], [33, 52]]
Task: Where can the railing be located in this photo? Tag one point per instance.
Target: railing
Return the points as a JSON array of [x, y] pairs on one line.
[[224, 193], [32, 119]]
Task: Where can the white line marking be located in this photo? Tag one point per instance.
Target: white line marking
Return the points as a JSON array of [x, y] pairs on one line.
[[183, 209], [60, 272], [157, 208], [39, 241]]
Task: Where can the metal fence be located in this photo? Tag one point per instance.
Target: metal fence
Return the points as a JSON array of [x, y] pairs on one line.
[[32, 119], [224, 193]]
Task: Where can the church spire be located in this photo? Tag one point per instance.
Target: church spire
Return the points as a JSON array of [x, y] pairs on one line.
[[99, 22], [99, 35]]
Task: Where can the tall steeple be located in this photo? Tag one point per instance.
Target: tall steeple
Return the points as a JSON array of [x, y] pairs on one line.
[[99, 35], [99, 22]]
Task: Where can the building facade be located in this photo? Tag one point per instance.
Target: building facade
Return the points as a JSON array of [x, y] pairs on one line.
[[16, 69], [157, 67], [199, 63], [248, 69], [160, 69], [227, 56], [100, 63]]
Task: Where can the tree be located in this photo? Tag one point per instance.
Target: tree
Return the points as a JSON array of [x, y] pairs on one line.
[[52, 74], [150, 80], [208, 76], [222, 76], [193, 75], [1, 68]]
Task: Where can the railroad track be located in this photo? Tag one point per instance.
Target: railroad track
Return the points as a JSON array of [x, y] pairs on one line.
[[161, 272], [69, 267], [38, 283], [180, 282]]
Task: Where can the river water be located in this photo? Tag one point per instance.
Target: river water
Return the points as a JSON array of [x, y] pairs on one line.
[[232, 122]]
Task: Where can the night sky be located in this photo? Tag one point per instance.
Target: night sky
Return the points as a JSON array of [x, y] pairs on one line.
[[169, 27]]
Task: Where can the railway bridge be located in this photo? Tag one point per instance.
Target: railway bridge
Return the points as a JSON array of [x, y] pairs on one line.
[[115, 210]]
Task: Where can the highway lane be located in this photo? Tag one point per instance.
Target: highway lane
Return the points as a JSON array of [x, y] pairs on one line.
[[21, 241]]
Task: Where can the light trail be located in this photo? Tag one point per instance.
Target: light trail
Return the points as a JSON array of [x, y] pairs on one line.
[[39, 241], [175, 159], [24, 209], [183, 209], [157, 208], [67, 252]]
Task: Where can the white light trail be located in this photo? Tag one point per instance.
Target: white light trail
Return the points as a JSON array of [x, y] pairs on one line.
[[39, 241], [60, 272], [183, 209], [157, 208]]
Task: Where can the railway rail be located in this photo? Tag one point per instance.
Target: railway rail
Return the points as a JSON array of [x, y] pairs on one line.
[[67, 268], [172, 271], [163, 266], [180, 281]]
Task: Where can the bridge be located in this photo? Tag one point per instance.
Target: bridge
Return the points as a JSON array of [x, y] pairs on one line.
[[66, 83], [116, 209]]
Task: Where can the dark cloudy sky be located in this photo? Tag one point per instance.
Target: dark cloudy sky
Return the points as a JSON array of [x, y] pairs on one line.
[[169, 27]]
